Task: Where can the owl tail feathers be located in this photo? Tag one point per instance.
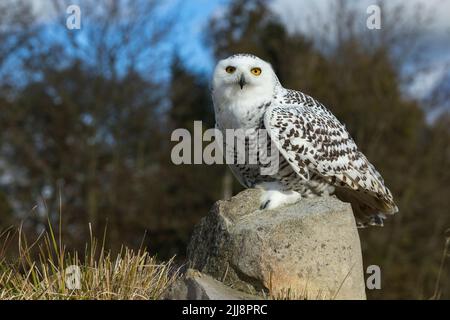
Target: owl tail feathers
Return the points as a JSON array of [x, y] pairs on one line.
[[368, 210], [374, 220], [367, 215]]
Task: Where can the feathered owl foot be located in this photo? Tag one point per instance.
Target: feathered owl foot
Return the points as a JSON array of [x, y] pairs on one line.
[[272, 197]]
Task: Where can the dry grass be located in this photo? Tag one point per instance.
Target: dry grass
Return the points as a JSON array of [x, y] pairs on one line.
[[131, 274], [445, 256]]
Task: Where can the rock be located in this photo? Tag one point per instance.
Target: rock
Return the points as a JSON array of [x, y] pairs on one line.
[[307, 250], [195, 285]]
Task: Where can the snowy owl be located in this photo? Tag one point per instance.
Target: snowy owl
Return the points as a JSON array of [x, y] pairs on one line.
[[317, 156]]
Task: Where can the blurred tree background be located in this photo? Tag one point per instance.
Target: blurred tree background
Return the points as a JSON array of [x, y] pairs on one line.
[[86, 118]]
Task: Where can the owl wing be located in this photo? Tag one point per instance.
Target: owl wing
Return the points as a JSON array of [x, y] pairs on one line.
[[313, 141]]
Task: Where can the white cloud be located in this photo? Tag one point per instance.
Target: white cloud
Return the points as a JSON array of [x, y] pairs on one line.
[[296, 12], [309, 17], [424, 82]]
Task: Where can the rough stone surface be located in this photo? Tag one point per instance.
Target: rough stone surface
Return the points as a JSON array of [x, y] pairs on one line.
[[309, 249], [195, 285]]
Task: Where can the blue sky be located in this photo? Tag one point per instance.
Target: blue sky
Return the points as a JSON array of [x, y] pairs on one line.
[[188, 38], [192, 29], [295, 13]]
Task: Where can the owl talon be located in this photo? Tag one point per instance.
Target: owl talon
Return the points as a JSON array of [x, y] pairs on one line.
[[264, 205], [272, 199]]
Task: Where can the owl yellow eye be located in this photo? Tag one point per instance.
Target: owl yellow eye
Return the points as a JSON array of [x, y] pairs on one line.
[[256, 71], [230, 69]]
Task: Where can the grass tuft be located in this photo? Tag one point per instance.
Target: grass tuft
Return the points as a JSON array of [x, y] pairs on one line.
[[45, 269]]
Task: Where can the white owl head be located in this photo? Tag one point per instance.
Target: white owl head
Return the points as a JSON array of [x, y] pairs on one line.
[[244, 76]]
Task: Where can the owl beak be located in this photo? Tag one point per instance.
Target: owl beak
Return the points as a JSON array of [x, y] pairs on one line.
[[242, 81]]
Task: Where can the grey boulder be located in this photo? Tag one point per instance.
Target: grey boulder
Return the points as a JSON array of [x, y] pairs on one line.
[[307, 250]]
